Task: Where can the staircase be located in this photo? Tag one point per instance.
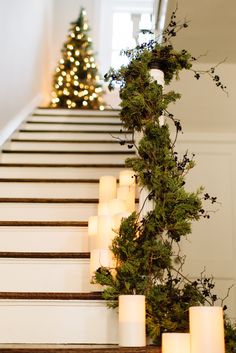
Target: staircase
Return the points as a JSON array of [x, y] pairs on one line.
[[49, 173]]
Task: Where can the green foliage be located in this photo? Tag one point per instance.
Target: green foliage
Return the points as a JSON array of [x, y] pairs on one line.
[[146, 262]]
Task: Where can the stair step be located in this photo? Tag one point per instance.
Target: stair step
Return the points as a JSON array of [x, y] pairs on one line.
[[44, 255], [74, 118], [44, 188], [44, 272], [71, 135], [68, 157], [47, 209], [52, 145], [53, 318], [68, 171], [50, 296], [43, 236], [24, 348], [41, 111], [70, 126]]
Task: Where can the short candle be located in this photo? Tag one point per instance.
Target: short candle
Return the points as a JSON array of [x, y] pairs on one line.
[[207, 329], [132, 321], [175, 342]]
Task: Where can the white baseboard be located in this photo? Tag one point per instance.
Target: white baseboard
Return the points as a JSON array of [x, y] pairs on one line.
[[15, 121]]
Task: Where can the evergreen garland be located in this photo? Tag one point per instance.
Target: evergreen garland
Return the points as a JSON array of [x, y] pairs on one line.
[[147, 261]]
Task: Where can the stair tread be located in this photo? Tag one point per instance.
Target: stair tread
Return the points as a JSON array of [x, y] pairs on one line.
[[75, 348], [63, 165], [45, 200], [43, 224], [44, 180], [73, 123], [44, 255], [51, 295], [79, 131], [67, 152], [68, 141]]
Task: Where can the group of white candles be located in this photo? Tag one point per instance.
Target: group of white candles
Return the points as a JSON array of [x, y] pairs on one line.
[[206, 328], [116, 201]]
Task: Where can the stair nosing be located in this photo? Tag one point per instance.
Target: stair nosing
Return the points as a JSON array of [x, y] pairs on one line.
[[76, 131], [43, 224], [73, 123], [83, 349], [69, 141], [62, 165], [46, 200], [41, 180], [44, 255], [67, 152], [50, 296]]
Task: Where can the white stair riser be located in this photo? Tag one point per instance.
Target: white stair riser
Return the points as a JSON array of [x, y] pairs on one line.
[[44, 239], [44, 190], [46, 212], [81, 119], [57, 322], [69, 127], [53, 172], [71, 136], [44, 275], [50, 146], [84, 113], [63, 158]]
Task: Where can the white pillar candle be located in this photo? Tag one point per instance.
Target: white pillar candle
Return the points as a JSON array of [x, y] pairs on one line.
[[93, 231], [132, 332], [145, 205], [117, 218], [207, 329], [107, 188], [127, 177], [100, 258], [103, 209], [117, 206], [175, 343], [105, 234], [127, 194]]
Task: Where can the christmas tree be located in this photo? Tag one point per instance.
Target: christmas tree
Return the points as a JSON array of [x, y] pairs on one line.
[[76, 82]]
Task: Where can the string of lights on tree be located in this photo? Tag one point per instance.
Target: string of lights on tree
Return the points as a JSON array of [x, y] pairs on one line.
[[76, 83]]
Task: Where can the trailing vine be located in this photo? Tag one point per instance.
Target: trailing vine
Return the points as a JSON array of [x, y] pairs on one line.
[[144, 248]]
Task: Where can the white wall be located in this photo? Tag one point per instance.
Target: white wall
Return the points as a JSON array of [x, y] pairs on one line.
[[209, 125], [24, 27]]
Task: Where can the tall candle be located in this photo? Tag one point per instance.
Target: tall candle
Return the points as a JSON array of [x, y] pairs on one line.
[[127, 193], [107, 188], [117, 206], [175, 343], [127, 177], [132, 321], [105, 234], [104, 209], [207, 329], [117, 218]]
